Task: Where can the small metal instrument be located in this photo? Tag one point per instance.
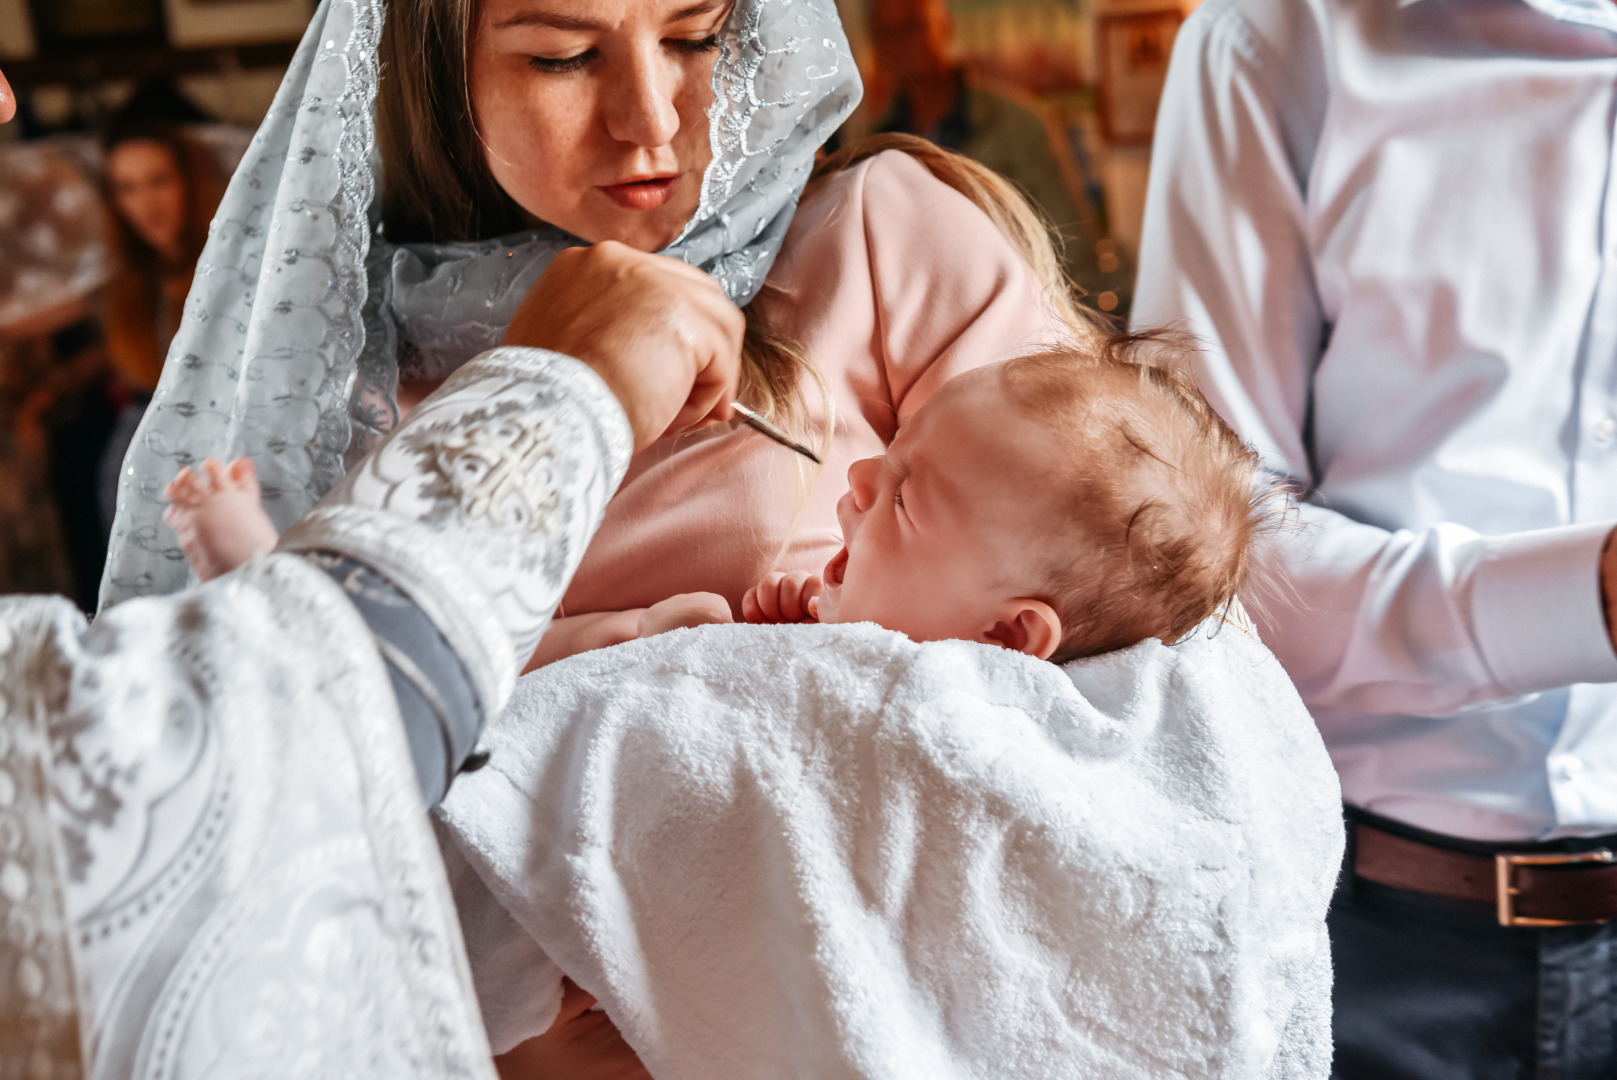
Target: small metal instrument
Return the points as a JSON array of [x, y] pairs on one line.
[[764, 427]]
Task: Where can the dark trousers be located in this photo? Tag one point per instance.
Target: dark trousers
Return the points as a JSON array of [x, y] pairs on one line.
[[1434, 989]]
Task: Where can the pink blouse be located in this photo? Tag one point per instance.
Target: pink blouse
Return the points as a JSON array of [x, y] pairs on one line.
[[893, 282]]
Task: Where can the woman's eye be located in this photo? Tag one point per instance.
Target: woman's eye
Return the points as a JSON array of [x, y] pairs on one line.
[[699, 45], [550, 66]]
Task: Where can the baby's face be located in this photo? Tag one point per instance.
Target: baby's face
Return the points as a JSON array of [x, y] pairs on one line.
[[941, 529]]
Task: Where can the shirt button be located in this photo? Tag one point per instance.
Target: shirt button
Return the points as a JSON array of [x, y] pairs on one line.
[[1606, 430], [1568, 768]]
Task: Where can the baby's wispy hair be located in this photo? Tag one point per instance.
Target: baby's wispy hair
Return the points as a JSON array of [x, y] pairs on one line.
[[1160, 503]]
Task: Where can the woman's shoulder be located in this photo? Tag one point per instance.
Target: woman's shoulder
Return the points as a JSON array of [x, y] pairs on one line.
[[908, 224], [886, 259], [888, 190]]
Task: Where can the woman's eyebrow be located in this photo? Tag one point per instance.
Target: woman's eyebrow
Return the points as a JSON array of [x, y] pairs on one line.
[[703, 8], [553, 19], [558, 21]]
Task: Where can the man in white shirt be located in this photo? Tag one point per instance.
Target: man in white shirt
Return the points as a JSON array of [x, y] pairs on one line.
[[1393, 223]]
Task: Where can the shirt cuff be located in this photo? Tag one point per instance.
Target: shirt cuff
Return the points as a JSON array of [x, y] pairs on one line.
[[1536, 608]]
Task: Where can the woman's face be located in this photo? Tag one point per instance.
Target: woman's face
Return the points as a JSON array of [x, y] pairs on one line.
[[593, 113], [148, 192]]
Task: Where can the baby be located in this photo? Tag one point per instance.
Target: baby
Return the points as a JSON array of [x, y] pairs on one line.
[[1062, 504]]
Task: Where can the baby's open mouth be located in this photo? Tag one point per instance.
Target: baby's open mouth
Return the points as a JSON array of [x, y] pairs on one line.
[[836, 568]]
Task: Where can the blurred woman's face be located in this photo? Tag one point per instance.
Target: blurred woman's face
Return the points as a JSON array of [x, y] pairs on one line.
[[593, 113], [148, 191]]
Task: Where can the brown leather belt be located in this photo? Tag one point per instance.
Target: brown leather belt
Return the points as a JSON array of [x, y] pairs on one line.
[[1553, 888]]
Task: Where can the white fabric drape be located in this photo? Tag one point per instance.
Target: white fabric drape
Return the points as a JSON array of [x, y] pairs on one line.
[[829, 851]]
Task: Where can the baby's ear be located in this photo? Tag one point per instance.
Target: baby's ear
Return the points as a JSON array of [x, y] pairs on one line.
[[1026, 625]]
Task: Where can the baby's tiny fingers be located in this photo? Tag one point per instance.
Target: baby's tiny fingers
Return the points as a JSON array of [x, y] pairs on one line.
[[769, 599], [803, 585], [750, 611], [791, 598]]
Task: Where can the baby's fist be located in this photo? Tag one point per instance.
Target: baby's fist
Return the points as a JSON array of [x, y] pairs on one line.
[[783, 598], [684, 609]]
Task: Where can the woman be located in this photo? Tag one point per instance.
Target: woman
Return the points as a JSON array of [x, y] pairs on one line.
[[664, 126], [163, 190]]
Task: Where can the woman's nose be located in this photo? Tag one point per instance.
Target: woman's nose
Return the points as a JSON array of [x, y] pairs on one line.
[[862, 482], [640, 107]]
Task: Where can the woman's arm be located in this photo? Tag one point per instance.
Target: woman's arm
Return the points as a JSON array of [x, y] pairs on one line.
[[574, 634]]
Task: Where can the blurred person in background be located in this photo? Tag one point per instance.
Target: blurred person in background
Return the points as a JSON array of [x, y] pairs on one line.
[[54, 398], [931, 95], [163, 187], [97, 357]]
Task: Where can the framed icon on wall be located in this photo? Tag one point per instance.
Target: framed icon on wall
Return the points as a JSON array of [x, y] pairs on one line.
[[1133, 50]]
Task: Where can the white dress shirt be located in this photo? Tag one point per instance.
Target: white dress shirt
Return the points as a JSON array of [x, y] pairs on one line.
[[1394, 226]]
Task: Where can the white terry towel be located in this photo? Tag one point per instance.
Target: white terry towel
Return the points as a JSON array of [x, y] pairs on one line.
[[827, 851]]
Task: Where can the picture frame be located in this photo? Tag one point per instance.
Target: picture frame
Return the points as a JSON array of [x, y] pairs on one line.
[[1132, 50]]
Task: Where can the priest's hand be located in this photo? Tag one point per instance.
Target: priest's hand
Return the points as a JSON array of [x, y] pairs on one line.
[[661, 333]]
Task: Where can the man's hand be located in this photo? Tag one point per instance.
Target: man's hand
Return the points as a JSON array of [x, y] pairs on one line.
[[661, 333], [684, 609], [783, 598], [580, 1045]]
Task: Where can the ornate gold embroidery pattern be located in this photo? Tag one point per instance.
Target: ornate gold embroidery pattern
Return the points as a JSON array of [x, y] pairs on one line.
[[498, 473]]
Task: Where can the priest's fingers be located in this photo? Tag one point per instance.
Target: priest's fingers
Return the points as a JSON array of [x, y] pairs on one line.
[[660, 333]]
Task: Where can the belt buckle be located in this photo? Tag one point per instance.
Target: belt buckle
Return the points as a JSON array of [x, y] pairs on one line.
[[1504, 867]]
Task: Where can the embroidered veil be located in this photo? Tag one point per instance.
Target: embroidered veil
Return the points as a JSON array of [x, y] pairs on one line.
[[302, 313]]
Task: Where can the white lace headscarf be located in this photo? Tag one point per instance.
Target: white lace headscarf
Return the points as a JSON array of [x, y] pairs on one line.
[[301, 313]]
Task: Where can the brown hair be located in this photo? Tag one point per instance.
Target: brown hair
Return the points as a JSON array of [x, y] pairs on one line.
[[1165, 497], [436, 183], [134, 293]]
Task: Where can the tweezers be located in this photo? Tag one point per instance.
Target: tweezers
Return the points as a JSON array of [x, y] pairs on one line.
[[764, 427]]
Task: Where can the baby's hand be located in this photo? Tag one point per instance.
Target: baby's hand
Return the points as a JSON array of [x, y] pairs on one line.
[[684, 609], [783, 598]]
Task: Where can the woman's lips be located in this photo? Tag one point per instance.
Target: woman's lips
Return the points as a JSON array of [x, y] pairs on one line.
[[647, 194]]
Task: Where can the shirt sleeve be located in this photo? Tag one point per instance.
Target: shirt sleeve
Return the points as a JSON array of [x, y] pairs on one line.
[[951, 291], [1424, 621]]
